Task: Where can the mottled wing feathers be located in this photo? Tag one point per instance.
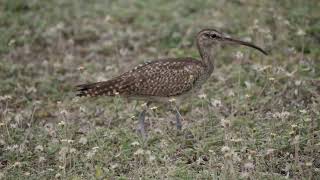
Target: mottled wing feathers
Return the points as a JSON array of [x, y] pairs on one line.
[[112, 87], [161, 78], [167, 78]]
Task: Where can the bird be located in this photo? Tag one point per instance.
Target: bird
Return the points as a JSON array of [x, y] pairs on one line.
[[164, 80]]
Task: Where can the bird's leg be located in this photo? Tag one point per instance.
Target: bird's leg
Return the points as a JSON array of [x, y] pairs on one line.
[[141, 121], [178, 120], [178, 116]]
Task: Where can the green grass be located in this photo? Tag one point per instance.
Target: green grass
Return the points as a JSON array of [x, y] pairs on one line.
[[256, 117]]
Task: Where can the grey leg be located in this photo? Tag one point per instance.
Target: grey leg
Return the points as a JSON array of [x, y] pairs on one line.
[[141, 124], [142, 116], [178, 118]]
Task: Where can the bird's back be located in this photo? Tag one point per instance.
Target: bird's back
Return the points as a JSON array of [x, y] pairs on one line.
[[160, 78]]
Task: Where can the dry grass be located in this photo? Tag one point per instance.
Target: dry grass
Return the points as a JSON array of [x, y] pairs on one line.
[[256, 118]]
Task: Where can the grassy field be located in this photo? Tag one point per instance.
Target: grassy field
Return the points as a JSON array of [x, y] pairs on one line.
[[257, 117]]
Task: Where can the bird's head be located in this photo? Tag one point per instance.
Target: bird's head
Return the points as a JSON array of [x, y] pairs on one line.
[[209, 37]]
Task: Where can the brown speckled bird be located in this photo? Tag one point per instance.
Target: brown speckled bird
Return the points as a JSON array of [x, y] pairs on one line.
[[163, 79]]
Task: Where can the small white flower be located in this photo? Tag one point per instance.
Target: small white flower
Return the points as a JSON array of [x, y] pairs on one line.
[[248, 84], [301, 32], [237, 140], [80, 68], [95, 148], [69, 57], [294, 126], [31, 90], [58, 175], [152, 158], [281, 115], [164, 143], [249, 166], [135, 143], [307, 120], [42, 159], [270, 151], [64, 112], [83, 140], [12, 148], [202, 96], [91, 153], [60, 26], [216, 103], [61, 123], [303, 111], [17, 164], [297, 83], [107, 18], [2, 142], [286, 22], [148, 152], [72, 150], [225, 149], [225, 123], [67, 140], [248, 39], [139, 152], [11, 42], [309, 164], [231, 93], [239, 55], [83, 109], [154, 108], [13, 125], [38, 148], [113, 166]]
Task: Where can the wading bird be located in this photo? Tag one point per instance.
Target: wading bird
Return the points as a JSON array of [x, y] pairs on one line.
[[164, 79]]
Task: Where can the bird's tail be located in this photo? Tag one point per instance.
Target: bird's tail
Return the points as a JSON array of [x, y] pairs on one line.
[[107, 88]]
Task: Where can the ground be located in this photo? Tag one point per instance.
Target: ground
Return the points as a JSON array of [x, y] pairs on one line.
[[257, 117]]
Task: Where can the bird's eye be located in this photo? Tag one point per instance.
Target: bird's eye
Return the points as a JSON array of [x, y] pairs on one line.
[[213, 35]]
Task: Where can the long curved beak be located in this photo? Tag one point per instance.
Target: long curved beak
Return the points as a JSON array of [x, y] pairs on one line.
[[235, 41]]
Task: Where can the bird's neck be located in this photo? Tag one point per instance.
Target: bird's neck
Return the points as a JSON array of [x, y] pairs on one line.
[[207, 55]]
